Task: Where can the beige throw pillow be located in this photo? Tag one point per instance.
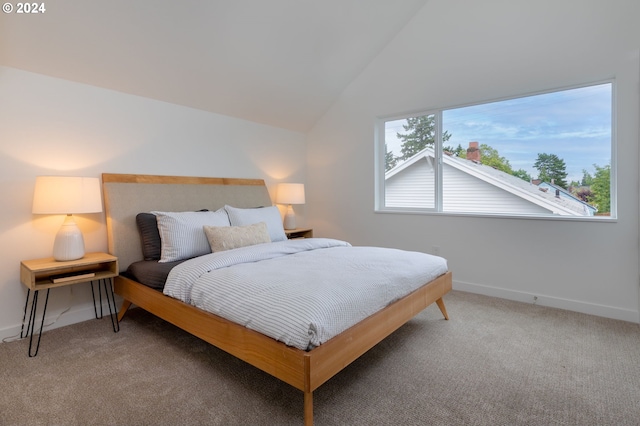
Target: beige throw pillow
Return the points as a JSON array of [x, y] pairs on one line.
[[229, 237]]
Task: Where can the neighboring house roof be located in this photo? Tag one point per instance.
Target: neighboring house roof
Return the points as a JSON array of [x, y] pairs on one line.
[[558, 190], [513, 185]]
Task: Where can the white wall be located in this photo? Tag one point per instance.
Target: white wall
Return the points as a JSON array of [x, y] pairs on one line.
[[52, 126], [456, 52]]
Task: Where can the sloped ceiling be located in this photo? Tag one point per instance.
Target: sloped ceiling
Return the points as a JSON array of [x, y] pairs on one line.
[[277, 62]]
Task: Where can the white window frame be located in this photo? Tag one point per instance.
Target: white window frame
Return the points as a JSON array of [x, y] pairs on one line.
[[380, 154]]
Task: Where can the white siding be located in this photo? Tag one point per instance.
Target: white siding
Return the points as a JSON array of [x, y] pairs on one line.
[[413, 187], [465, 193]]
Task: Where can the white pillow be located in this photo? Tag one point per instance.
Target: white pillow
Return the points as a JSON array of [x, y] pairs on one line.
[[269, 215], [181, 233], [223, 238]]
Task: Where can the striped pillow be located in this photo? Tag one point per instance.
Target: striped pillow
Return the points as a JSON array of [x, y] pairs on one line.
[[182, 235]]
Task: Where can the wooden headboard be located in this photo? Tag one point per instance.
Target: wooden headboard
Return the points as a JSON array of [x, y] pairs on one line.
[[126, 195]]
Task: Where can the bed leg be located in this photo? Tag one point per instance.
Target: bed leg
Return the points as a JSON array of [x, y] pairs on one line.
[[123, 309], [308, 409], [440, 304]]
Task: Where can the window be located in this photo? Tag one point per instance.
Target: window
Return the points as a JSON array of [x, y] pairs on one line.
[[545, 155]]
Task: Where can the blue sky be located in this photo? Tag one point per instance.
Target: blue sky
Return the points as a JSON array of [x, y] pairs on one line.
[[573, 124]]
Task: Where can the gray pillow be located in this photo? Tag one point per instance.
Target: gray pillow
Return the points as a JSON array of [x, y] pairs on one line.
[[149, 235]]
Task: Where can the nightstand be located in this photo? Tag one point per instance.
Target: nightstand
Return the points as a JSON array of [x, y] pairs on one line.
[[299, 233], [41, 274]]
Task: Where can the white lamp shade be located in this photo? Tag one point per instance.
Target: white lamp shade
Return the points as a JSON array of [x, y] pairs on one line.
[[66, 195], [290, 193]]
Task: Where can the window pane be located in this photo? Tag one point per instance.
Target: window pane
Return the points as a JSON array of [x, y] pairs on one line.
[[409, 162], [543, 154]]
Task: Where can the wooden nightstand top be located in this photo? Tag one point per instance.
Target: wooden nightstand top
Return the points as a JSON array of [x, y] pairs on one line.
[[299, 233], [37, 274]]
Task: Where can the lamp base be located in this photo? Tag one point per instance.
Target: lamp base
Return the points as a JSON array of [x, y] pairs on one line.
[[69, 242], [289, 218]]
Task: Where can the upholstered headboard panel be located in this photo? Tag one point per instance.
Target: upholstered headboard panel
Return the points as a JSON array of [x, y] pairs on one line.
[[126, 195]]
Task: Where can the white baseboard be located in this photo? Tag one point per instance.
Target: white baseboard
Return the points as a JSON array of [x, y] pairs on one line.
[[552, 302], [84, 313]]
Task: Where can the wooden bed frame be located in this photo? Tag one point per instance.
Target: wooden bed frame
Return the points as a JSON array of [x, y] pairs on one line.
[[127, 195]]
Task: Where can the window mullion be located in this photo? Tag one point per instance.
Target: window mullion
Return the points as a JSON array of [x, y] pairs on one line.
[[438, 161]]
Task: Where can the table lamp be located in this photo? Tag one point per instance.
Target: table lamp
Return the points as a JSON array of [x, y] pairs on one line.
[[67, 195], [290, 193]]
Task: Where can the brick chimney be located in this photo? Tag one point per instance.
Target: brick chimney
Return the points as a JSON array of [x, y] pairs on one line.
[[473, 152]]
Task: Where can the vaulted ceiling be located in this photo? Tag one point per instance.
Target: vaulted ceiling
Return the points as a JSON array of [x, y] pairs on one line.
[[277, 62]]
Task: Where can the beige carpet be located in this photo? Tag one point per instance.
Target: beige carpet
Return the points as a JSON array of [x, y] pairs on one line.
[[495, 362]]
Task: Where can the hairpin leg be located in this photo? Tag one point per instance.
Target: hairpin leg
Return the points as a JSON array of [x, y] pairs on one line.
[[31, 325], [93, 296], [107, 286], [24, 316]]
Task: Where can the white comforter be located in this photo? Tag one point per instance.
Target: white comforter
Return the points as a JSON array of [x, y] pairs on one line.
[[301, 292]]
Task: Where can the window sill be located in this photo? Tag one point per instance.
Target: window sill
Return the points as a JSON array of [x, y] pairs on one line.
[[592, 219]]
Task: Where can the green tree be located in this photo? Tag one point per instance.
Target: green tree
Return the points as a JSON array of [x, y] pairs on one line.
[[459, 151], [601, 189], [587, 179], [490, 157], [390, 160], [551, 168], [421, 133], [522, 174]]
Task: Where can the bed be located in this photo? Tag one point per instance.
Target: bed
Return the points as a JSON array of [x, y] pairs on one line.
[[127, 195]]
